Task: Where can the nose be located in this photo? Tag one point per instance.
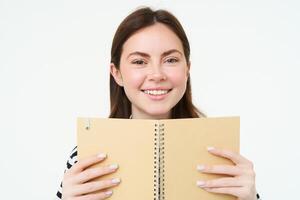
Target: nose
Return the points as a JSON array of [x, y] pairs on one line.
[[156, 74]]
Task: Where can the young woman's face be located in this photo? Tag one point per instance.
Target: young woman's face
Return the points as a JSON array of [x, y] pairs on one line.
[[153, 71]]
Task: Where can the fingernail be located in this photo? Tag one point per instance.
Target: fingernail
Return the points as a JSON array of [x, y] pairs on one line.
[[200, 183], [109, 192], [116, 180], [102, 155], [113, 166], [200, 167], [210, 148]]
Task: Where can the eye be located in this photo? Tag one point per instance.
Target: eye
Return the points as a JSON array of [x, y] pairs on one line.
[[172, 60], [138, 62]]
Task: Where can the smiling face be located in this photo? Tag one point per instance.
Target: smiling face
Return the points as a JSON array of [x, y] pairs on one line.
[[153, 71]]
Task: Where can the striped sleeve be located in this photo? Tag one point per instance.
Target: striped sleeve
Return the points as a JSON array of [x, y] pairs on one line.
[[70, 162], [258, 197]]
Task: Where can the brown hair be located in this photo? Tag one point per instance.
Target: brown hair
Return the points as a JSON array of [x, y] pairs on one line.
[[119, 103]]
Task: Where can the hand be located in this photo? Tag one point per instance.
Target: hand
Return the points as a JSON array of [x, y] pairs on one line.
[[78, 184], [241, 182]]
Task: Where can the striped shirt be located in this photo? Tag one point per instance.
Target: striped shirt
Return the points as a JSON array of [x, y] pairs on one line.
[[72, 160]]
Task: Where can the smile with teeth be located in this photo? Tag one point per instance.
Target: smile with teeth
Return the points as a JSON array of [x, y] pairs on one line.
[[156, 92]]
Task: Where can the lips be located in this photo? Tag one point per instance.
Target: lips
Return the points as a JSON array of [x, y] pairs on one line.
[[156, 94]]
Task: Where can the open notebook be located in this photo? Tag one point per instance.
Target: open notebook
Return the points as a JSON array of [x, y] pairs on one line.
[[157, 158]]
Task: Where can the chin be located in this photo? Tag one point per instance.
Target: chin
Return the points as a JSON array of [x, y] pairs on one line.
[[157, 112]]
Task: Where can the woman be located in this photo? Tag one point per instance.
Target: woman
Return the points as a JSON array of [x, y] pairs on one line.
[[150, 80]]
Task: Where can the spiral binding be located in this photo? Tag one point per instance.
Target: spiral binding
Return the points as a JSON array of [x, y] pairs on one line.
[[162, 161], [156, 163], [159, 163]]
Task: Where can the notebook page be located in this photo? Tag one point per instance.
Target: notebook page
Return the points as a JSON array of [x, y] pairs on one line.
[[186, 142], [128, 143]]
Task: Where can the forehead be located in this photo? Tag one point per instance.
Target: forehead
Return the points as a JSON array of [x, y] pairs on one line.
[[154, 39]]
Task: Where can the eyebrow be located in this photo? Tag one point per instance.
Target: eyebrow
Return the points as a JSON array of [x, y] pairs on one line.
[[148, 56]]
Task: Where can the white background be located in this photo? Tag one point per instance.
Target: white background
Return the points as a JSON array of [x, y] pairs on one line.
[[54, 67]]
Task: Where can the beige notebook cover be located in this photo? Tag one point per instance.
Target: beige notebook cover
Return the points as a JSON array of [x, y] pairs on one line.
[[157, 158]]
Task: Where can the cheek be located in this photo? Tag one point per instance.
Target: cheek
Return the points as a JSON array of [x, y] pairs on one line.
[[132, 78], [178, 77]]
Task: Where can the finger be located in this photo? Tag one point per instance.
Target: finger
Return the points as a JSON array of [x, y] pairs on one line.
[[96, 196], [84, 163], [92, 173], [95, 186], [220, 169], [235, 157], [220, 182], [235, 191]]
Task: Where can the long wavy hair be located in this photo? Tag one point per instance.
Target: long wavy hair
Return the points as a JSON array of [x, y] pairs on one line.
[[143, 17]]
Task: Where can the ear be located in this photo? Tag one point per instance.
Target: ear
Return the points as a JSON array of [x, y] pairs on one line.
[[116, 74], [188, 68]]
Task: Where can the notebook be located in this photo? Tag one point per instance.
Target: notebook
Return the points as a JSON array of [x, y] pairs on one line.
[[158, 158]]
